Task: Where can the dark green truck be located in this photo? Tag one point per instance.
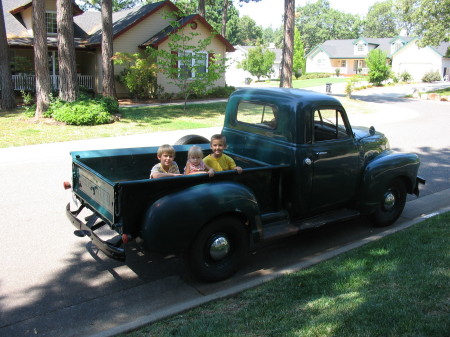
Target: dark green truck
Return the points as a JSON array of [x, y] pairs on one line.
[[304, 166]]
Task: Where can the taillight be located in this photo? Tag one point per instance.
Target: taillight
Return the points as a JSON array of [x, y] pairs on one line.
[[67, 185]]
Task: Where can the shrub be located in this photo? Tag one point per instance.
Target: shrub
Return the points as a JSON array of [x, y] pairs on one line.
[[431, 76], [379, 71], [85, 111], [405, 77], [221, 92], [338, 72], [309, 76]]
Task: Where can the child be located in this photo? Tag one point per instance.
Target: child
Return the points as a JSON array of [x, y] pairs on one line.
[[195, 163], [217, 160], [166, 167]]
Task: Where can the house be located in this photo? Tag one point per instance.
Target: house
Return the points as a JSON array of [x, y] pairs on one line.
[[133, 30], [236, 76], [403, 53]]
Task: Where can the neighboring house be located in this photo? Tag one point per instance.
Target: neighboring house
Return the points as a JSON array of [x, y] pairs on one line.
[[236, 76], [133, 30], [349, 56]]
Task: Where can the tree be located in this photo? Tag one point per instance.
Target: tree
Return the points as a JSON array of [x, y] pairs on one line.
[[68, 84], [188, 64], [318, 22], [108, 83], [41, 58], [404, 11], [201, 8], [381, 20], [433, 22], [288, 45], [117, 5], [249, 34], [379, 70], [299, 62], [8, 101], [259, 62]]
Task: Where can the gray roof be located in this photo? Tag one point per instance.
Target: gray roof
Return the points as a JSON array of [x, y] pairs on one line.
[[87, 26], [342, 49]]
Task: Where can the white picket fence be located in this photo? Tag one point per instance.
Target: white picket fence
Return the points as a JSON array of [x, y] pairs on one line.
[[28, 82]]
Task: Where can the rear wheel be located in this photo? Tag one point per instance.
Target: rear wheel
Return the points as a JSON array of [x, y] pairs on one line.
[[218, 249], [191, 139], [391, 205]]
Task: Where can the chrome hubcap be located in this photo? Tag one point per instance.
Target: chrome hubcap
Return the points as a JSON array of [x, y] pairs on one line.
[[220, 247], [389, 201]]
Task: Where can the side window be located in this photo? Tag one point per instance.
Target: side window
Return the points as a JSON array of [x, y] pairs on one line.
[[328, 125], [257, 114]]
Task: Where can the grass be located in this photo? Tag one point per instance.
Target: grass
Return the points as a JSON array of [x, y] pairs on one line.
[[396, 286], [16, 129], [444, 92], [314, 82]]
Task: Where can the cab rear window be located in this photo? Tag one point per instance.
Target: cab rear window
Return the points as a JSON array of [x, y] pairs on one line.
[[257, 114]]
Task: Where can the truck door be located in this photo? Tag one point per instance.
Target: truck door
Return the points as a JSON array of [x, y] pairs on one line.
[[333, 157]]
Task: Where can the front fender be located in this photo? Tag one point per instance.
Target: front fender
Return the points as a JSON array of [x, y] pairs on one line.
[[381, 171], [173, 221]]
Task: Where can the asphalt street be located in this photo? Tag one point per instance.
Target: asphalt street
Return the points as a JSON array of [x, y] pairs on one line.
[[55, 284]]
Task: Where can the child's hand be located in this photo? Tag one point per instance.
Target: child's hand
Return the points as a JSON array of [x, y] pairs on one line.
[[211, 172], [238, 169]]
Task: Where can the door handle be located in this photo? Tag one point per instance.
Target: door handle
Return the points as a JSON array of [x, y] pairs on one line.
[[321, 153]]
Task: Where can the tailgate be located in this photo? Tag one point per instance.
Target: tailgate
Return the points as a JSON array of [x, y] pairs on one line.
[[95, 190]]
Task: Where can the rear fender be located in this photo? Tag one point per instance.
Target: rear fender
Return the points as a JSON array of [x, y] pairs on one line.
[[173, 221], [381, 171]]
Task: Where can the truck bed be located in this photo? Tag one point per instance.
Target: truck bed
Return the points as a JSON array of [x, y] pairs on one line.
[[115, 183]]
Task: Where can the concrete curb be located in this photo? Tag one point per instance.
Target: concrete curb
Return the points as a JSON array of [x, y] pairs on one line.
[[308, 262]]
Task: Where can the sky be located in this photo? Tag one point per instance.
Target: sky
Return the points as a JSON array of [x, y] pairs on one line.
[[268, 13]]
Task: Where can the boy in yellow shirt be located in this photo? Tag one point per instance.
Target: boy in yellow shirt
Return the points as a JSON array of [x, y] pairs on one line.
[[218, 160]]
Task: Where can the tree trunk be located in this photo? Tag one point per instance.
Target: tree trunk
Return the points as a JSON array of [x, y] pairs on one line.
[[288, 47], [224, 17], [108, 84], [8, 100], [201, 8], [41, 58], [68, 84]]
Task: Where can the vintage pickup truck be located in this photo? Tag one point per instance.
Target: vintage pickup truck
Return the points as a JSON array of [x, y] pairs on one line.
[[303, 164]]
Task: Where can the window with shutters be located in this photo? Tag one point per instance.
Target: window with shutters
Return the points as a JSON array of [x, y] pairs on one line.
[[192, 64]]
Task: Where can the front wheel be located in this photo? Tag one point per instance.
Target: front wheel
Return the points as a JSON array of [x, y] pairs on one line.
[[218, 249], [391, 205]]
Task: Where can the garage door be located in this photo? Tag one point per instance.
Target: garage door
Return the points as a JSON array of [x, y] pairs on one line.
[[417, 70]]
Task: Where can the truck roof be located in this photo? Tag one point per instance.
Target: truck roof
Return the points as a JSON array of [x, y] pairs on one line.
[[285, 95]]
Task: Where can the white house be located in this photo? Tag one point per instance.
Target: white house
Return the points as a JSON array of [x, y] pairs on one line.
[[349, 56], [236, 76]]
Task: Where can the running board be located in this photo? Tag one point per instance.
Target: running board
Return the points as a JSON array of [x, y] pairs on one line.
[[280, 226]]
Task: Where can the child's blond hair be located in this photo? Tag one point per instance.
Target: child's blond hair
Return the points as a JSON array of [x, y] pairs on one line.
[[166, 148], [195, 150]]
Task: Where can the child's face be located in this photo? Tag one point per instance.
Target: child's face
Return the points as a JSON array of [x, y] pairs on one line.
[[195, 159], [166, 159], [217, 146]]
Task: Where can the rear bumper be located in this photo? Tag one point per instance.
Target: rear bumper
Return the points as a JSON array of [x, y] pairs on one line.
[[419, 181], [87, 229]]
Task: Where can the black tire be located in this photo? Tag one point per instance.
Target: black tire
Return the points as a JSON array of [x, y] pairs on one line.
[[391, 205], [230, 238], [191, 139]]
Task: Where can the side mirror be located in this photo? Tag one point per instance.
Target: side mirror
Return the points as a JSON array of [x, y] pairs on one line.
[[371, 131]]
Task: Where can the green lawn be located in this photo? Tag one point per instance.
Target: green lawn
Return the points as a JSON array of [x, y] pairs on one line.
[[16, 129], [300, 84], [396, 286]]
